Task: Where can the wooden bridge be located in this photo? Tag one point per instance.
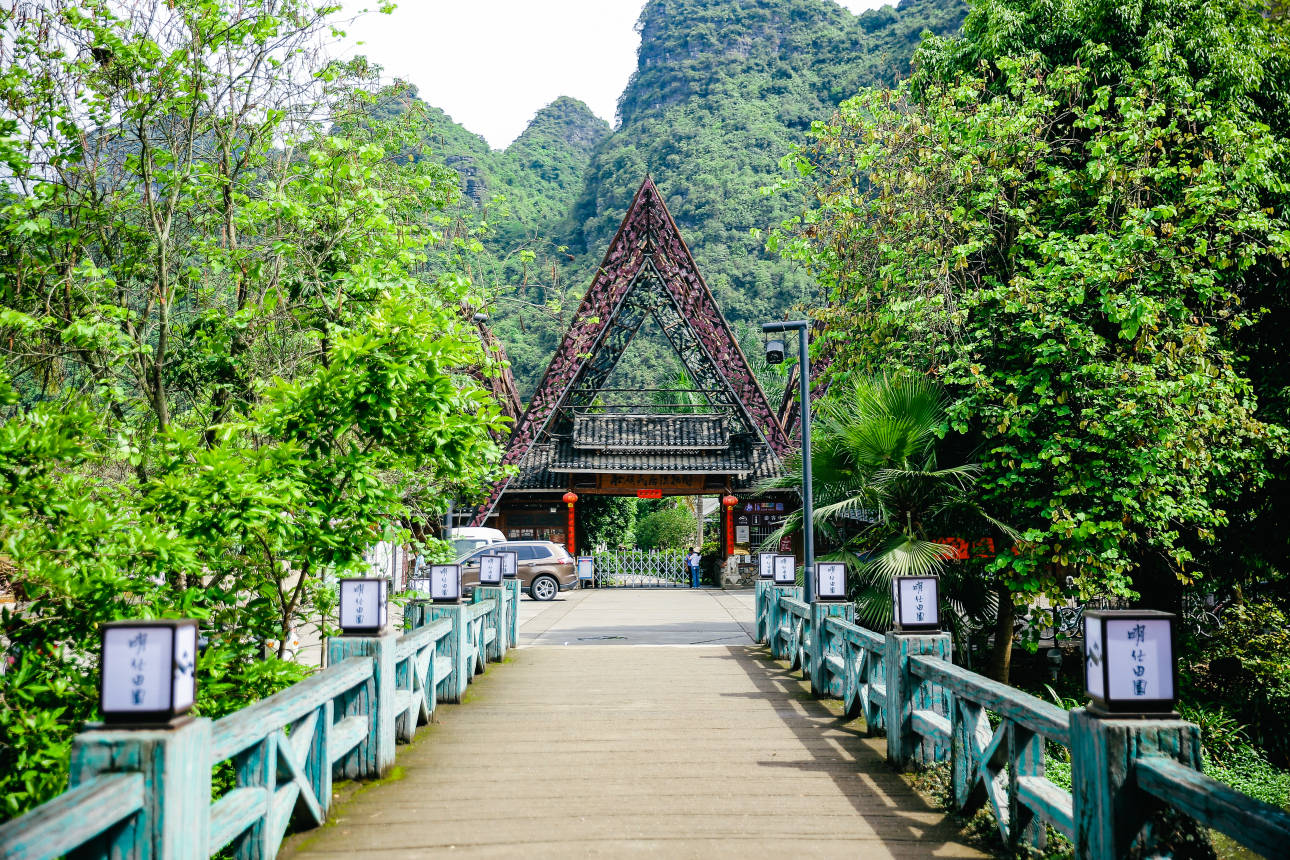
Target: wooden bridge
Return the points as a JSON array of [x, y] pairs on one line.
[[697, 742]]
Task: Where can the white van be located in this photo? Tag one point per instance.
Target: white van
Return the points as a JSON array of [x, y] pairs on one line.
[[466, 540]]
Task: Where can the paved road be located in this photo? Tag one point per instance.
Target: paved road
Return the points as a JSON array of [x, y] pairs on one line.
[[583, 746]]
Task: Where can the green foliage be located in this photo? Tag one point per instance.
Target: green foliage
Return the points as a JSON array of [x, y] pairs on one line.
[[1057, 219], [1248, 771], [883, 497], [241, 383], [1245, 671], [608, 521], [669, 527]]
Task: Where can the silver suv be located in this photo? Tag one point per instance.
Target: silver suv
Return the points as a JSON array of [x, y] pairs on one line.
[[545, 568]]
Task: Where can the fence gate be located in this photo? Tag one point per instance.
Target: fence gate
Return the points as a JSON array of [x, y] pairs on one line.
[[638, 568]]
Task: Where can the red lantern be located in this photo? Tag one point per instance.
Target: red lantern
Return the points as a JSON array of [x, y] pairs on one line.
[[569, 498], [730, 501]]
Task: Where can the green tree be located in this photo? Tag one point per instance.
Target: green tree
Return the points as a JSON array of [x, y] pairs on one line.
[[607, 520], [220, 378], [669, 527], [885, 501], [1065, 246]]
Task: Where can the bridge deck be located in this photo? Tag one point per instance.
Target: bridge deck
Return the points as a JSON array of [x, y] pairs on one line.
[[580, 747]]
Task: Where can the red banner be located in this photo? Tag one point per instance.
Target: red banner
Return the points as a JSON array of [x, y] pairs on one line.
[[649, 494]]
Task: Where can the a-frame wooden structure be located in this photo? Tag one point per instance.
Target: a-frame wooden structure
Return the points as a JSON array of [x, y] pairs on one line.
[[563, 442]]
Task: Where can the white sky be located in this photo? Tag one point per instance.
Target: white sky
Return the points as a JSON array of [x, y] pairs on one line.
[[492, 64]]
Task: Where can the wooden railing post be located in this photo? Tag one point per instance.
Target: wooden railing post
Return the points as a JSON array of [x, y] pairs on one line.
[[513, 589], [414, 614], [454, 646], [1110, 810], [776, 616], [375, 697], [495, 620], [823, 682], [907, 693], [176, 767], [761, 610]]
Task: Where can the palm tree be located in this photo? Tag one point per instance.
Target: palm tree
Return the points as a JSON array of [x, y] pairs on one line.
[[882, 496]]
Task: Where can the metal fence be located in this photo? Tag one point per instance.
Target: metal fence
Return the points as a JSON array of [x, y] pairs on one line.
[[638, 568]]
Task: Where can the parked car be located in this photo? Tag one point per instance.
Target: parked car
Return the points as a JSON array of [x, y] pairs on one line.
[[545, 568], [469, 538]]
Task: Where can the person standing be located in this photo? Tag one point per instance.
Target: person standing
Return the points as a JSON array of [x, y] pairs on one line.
[[693, 560]]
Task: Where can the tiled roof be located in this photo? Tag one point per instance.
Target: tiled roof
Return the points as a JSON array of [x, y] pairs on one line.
[[765, 466], [534, 474], [736, 459], [616, 432]]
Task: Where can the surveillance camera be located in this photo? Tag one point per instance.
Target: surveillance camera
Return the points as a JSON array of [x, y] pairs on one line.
[[775, 352]]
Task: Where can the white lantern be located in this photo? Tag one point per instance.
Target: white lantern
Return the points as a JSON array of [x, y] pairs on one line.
[[510, 563], [766, 565], [915, 605], [363, 607], [445, 583], [586, 568], [148, 671], [490, 570], [420, 586], [1129, 661], [785, 570], [830, 581]]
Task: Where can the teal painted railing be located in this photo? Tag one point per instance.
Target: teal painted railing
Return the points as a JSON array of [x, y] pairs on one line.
[[146, 793], [1122, 770]]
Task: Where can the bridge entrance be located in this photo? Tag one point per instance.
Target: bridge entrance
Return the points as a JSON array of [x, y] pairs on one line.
[[579, 437]]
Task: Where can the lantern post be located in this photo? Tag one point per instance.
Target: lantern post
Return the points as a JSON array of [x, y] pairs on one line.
[[775, 355], [569, 498], [729, 502]]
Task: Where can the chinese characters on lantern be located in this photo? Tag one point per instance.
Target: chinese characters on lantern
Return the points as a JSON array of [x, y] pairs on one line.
[[831, 583], [915, 599], [1129, 660], [138, 647]]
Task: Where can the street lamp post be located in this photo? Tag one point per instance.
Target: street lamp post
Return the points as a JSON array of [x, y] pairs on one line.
[[775, 355]]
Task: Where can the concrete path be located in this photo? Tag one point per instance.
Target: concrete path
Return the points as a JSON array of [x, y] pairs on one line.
[[599, 749]]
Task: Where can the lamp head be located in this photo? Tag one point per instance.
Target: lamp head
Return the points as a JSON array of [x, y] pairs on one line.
[[775, 351]]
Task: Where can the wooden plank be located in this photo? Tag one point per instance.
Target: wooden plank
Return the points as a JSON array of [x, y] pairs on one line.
[[866, 639], [233, 813], [932, 725], [451, 685], [1026, 757], [346, 735], [878, 695], [403, 700], [835, 664], [241, 729], [1035, 714], [257, 766], [410, 643], [795, 607], [1258, 826], [72, 818], [1050, 802], [479, 610], [442, 669]]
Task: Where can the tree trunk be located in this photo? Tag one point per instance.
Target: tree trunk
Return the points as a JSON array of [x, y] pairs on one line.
[[1001, 655]]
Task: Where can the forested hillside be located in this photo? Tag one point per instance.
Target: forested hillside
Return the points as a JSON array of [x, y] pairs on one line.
[[721, 92]]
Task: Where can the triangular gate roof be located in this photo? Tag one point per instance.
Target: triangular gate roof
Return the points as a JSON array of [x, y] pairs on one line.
[[647, 272]]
